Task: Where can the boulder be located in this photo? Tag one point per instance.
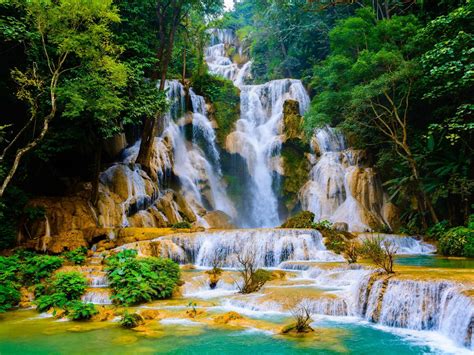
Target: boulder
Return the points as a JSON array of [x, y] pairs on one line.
[[226, 318], [292, 120], [219, 220]]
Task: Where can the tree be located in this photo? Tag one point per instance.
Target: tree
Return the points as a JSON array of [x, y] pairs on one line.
[[252, 279], [169, 14], [68, 41], [381, 251]]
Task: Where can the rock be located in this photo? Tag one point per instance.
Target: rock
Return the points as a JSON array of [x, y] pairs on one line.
[[169, 207], [278, 275], [219, 220], [26, 299], [115, 144], [227, 318], [104, 314], [303, 219], [340, 226], [292, 120], [149, 314]]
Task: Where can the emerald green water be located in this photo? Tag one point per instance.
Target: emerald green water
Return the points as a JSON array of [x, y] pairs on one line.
[[27, 335], [435, 261]]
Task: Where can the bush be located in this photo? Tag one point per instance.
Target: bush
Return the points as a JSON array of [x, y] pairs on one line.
[[381, 252], [352, 251], [225, 98], [77, 256], [302, 316], [334, 241], [252, 280], [72, 284], [131, 320], [58, 292], [38, 267], [181, 225], [457, 241], [436, 231], [9, 282], [78, 310], [322, 225], [135, 280], [303, 219]]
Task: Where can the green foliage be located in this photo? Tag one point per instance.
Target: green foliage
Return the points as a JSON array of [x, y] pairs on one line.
[[181, 225], [12, 205], [303, 219], [335, 241], [77, 256], [457, 241], [131, 320], [9, 283], [380, 251], [71, 284], [38, 267], [78, 310], [225, 98], [437, 230], [322, 225], [60, 290], [135, 280]]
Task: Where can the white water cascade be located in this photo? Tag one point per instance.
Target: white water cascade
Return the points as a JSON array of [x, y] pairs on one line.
[[269, 247], [257, 137], [341, 188]]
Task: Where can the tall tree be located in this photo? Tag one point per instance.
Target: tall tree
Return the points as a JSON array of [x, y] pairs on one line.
[[67, 40]]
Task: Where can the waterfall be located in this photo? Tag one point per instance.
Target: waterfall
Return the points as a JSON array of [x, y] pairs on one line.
[[341, 188], [419, 305], [269, 247], [257, 137], [405, 245]]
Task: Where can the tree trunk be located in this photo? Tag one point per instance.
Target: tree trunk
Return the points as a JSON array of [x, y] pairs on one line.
[[97, 168]]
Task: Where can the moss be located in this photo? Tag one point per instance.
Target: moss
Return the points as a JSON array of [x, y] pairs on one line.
[[225, 99], [296, 169], [303, 219]]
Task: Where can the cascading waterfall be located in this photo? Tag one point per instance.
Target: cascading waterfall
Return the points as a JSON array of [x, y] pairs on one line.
[[258, 133], [268, 247], [340, 188]]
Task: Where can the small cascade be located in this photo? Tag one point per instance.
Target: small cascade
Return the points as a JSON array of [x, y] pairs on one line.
[[269, 247], [419, 305], [98, 291], [405, 245], [341, 188]]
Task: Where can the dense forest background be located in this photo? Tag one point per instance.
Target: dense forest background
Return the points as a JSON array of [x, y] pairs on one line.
[[395, 76]]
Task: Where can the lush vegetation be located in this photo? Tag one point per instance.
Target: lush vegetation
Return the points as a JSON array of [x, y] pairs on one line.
[[225, 98], [135, 280]]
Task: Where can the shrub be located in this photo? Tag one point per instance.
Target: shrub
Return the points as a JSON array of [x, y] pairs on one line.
[[436, 231], [38, 267], [72, 284], [9, 282], [131, 320], [457, 241], [352, 251], [77, 256], [303, 219], [135, 280], [58, 292], [252, 280], [181, 225], [334, 241], [225, 98], [302, 316], [381, 251], [322, 225], [78, 310]]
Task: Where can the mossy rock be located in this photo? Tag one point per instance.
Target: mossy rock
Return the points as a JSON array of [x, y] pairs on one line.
[[303, 219], [296, 170]]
